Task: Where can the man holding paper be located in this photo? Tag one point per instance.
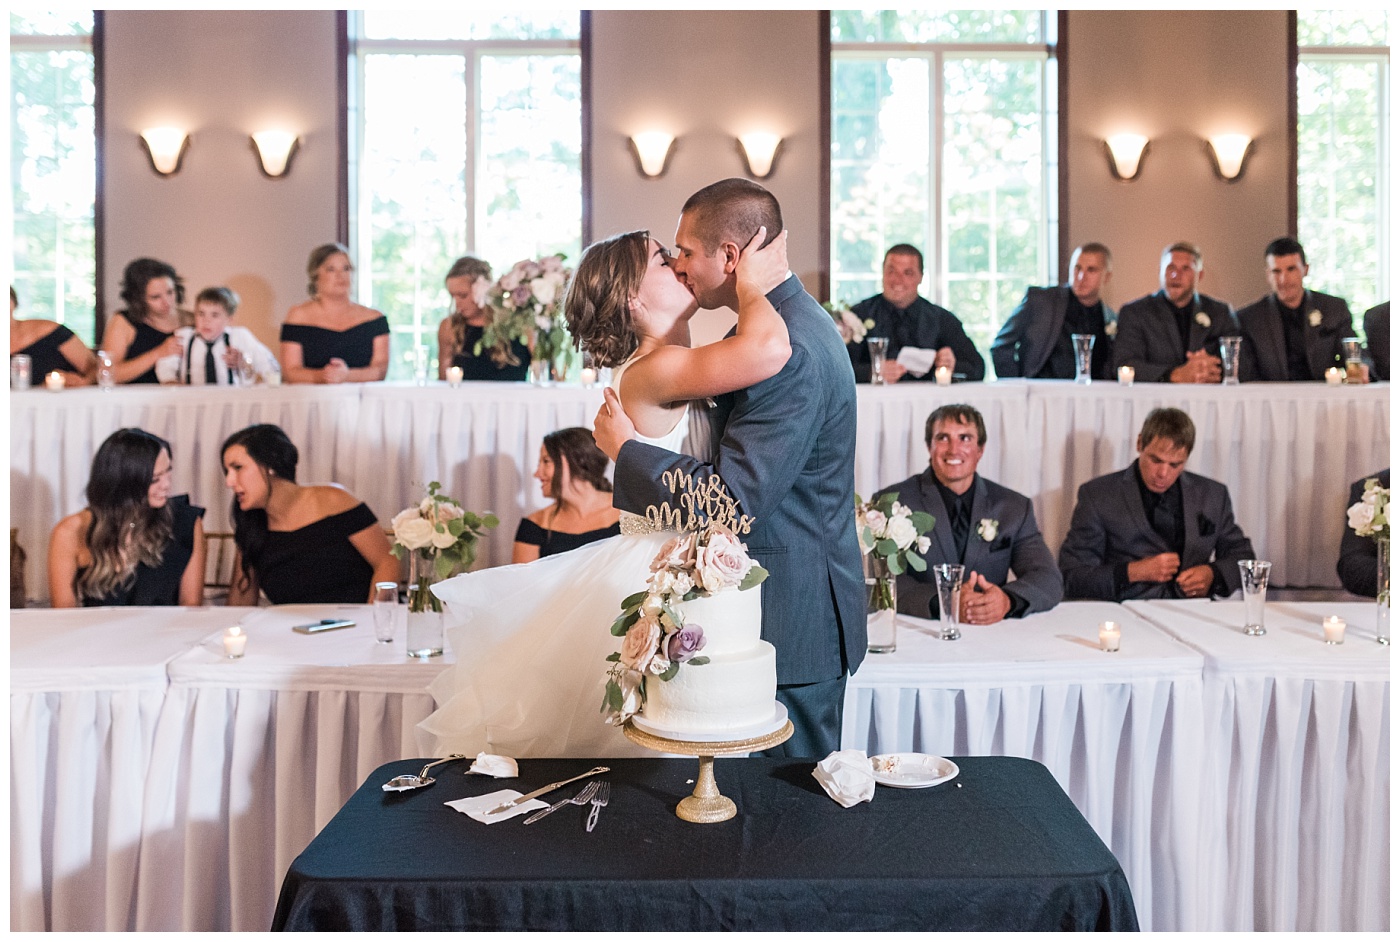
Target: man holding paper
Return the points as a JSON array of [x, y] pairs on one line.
[[922, 336]]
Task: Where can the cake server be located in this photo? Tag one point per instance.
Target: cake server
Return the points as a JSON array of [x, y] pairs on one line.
[[545, 790]]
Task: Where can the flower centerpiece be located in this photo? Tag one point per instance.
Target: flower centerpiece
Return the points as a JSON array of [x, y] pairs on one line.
[[1370, 517], [852, 328], [439, 537], [892, 536], [656, 638], [527, 304]]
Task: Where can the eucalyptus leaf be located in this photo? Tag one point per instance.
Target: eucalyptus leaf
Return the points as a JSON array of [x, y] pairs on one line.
[[698, 661], [670, 672], [916, 562]]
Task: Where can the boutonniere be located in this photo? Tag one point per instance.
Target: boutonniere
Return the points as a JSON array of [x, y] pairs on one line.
[[1111, 329], [1203, 318], [987, 529], [1314, 318]]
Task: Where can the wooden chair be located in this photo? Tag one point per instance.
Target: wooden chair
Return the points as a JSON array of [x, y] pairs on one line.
[[219, 553]]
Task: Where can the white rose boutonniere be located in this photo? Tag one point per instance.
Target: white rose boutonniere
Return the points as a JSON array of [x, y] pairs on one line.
[[1203, 318], [987, 529], [1111, 328], [1314, 318]]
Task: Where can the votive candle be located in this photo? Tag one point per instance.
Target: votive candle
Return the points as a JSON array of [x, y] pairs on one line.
[[1126, 375], [1336, 376], [943, 376], [454, 376], [54, 381], [588, 376], [1334, 629], [235, 641], [1109, 635]]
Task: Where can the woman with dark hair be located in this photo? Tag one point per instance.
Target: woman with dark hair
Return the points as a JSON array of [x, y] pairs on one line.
[[331, 339], [134, 543], [460, 331], [573, 472], [51, 348], [297, 542], [144, 333]]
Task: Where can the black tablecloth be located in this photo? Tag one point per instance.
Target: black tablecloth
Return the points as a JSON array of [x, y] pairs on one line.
[[999, 847]]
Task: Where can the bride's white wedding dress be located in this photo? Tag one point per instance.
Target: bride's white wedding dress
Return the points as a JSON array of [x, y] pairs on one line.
[[531, 641]]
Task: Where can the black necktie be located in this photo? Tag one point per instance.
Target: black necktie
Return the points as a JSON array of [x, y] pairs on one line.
[[211, 377], [961, 519]]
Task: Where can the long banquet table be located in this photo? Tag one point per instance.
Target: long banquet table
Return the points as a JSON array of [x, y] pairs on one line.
[[1288, 452]]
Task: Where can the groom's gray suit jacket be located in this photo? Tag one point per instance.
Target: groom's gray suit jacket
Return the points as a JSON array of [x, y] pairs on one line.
[[787, 454]]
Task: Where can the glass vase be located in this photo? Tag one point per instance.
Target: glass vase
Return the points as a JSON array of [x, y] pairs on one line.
[[1383, 591], [880, 607], [425, 616]]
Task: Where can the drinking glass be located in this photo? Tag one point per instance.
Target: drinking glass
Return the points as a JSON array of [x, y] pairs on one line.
[[949, 579], [386, 611], [878, 346], [1230, 361], [106, 377], [1351, 348], [1083, 358], [21, 371], [1254, 581]]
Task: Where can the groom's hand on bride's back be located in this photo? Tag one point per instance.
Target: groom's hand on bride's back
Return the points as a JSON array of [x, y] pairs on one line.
[[611, 427]]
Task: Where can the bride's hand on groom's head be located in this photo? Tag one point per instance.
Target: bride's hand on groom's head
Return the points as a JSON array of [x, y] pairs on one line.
[[611, 426], [763, 268]]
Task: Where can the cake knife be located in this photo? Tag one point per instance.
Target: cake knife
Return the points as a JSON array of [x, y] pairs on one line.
[[548, 788]]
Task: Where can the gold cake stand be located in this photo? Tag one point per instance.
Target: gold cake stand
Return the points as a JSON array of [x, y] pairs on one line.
[[706, 805]]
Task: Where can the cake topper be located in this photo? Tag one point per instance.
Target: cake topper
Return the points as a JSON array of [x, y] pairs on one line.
[[701, 504]]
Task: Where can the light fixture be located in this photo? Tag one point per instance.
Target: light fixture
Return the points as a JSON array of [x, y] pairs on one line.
[[1228, 153], [166, 147], [760, 148], [652, 149], [275, 150], [1125, 153]]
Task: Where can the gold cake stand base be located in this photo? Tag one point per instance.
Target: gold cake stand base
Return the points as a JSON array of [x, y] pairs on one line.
[[706, 805]]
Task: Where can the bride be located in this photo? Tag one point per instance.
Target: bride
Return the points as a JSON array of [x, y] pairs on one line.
[[531, 639]]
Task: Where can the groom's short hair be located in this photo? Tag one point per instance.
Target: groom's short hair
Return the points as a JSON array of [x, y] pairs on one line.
[[731, 211]]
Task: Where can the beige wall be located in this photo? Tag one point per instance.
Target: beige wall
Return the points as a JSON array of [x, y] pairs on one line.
[[1178, 78], [219, 220]]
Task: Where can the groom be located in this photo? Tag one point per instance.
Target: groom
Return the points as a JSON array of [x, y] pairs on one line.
[[787, 455]]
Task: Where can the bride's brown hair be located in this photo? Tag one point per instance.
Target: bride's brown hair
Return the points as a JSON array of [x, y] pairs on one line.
[[597, 307]]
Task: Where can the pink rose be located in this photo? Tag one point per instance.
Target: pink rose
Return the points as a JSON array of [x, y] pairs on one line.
[[677, 553], [721, 562], [640, 642]]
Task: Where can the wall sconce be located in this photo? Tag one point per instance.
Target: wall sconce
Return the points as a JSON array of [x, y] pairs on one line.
[[760, 149], [1125, 153], [166, 148], [275, 150], [1227, 155], [652, 149]]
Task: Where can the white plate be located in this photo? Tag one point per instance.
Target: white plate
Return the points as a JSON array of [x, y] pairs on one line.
[[912, 769], [729, 735]]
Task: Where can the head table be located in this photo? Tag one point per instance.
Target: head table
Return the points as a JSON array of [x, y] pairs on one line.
[[1241, 783]]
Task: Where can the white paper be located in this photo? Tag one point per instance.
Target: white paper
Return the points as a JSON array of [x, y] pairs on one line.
[[917, 360], [477, 808], [847, 777], [495, 766]]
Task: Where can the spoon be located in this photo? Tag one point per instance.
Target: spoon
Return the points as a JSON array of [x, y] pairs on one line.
[[400, 783]]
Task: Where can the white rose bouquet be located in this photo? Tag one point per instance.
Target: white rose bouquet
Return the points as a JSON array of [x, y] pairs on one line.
[[852, 328], [442, 537], [1370, 516], [893, 537], [527, 304]]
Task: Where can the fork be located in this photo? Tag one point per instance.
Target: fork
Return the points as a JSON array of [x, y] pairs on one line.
[[600, 801], [581, 798]]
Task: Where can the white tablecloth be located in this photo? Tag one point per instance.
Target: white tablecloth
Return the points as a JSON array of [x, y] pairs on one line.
[[1116, 730], [1295, 766]]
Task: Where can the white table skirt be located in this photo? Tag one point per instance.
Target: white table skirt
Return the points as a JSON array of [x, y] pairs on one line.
[[1288, 451], [1295, 766]]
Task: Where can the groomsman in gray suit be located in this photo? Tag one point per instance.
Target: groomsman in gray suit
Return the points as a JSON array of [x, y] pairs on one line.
[[1154, 530], [1173, 336], [1035, 340], [987, 528], [1291, 334], [787, 454]]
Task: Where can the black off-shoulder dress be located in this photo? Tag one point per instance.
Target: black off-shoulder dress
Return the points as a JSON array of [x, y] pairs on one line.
[[317, 563], [483, 367], [46, 355], [319, 345], [552, 542], [147, 338], [160, 585]]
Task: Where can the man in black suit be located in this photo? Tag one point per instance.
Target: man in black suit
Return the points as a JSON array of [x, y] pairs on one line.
[[1377, 324], [1174, 335], [908, 320], [983, 526], [1154, 530], [1356, 561], [1291, 334], [1035, 340]]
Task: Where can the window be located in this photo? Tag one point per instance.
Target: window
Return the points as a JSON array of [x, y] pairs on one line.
[[466, 134], [1343, 153], [943, 135], [53, 160]]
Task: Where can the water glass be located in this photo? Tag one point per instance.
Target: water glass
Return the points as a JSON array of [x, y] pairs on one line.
[[1351, 349], [21, 371], [106, 377], [950, 580], [877, 346], [1254, 582], [1230, 361], [386, 611], [1083, 358]]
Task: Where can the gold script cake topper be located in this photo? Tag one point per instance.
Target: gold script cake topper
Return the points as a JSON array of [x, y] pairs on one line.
[[701, 504]]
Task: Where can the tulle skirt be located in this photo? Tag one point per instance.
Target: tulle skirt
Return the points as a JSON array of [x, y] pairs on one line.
[[531, 642]]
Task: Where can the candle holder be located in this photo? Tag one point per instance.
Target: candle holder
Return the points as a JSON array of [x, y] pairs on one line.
[[1334, 630], [235, 642], [1126, 374], [53, 382], [943, 376], [1110, 635], [454, 376]]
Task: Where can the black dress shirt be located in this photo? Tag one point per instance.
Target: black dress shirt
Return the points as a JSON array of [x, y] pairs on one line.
[[1078, 320], [1295, 342]]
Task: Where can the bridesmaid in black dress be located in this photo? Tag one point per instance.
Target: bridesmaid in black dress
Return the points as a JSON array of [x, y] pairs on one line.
[[134, 543], [51, 347], [331, 339], [145, 332], [297, 542], [572, 472], [460, 331]]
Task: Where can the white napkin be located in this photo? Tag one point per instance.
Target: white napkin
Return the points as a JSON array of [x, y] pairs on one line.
[[917, 360], [494, 766], [477, 808], [846, 776]]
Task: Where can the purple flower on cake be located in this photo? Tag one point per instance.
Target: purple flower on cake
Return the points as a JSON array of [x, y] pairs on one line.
[[721, 562], [685, 643]]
